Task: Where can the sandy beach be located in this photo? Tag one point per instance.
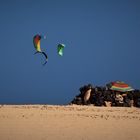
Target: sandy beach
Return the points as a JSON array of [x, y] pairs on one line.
[[72, 122]]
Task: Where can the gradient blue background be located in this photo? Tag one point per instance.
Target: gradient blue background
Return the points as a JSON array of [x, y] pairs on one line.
[[102, 39]]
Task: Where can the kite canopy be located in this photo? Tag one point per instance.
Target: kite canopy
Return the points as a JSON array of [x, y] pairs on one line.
[[60, 49], [36, 41], [119, 86]]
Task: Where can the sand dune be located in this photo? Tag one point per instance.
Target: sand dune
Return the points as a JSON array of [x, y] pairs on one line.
[[48, 122]]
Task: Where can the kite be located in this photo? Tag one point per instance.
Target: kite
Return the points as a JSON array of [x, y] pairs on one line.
[[60, 48], [36, 42]]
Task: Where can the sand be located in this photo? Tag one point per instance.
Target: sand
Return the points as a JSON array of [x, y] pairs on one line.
[[73, 122]]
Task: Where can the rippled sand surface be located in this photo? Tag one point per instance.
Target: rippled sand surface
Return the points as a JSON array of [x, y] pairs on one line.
[[72, 122]]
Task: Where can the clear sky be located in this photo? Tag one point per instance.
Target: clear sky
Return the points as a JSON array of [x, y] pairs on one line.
[[102, 39]]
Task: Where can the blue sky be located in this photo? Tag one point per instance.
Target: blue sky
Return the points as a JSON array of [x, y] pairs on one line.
[[102, 41]]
